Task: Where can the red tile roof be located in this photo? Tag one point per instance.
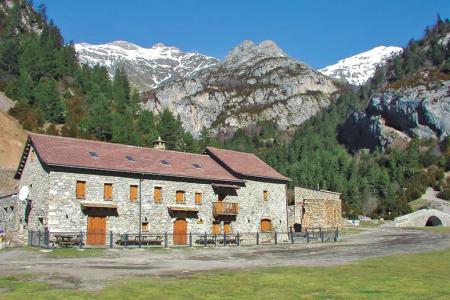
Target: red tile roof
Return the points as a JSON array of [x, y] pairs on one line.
[[245, 164], [70, 152]]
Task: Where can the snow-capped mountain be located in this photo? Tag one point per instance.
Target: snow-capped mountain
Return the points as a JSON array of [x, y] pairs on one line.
[[357, 69], [146, 67]]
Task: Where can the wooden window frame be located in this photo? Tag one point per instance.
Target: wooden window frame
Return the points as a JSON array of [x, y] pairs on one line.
[[110, 198], [77, 194], [198, 198], [180, 192], [134, 197], [144, 227], [160, 198]]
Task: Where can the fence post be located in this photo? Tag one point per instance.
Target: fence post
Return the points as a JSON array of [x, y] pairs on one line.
[[321, 236], [30, 238], [126, 240], [224, 238], [320, 232], [165, 240], [39, 238], [205, 242], [257, 238], [276, 238], [110, 239], [81, 239], [307, 236], [190, 239], [238, 239]]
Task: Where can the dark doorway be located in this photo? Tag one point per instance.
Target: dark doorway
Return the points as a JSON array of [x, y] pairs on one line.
[[297, 227], [433, 221]]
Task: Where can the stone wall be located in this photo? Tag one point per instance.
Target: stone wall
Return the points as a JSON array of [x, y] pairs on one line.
[[36, 177], [315, 208], [65, 213]]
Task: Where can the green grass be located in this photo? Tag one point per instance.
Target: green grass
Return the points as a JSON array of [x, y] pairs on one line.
[[438, 229], [418, 276], [74, 252]]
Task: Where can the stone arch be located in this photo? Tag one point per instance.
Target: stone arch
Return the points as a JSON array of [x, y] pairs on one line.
[[433, 221]]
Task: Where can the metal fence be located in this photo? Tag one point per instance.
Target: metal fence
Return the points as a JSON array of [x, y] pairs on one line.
[[81, 239]]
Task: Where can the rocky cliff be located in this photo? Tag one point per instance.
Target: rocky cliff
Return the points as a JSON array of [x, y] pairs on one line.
[[255, 82], [396, 115]]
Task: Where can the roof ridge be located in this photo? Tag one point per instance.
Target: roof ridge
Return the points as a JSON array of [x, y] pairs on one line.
[[230, 150], [116, 144]]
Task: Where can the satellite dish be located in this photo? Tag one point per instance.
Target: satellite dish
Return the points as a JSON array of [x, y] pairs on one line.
[[23, 194]]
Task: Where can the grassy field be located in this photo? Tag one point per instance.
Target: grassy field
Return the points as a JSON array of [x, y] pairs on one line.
[[418, 276]]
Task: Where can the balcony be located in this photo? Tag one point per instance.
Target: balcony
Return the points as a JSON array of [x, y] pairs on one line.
[[225, 209]]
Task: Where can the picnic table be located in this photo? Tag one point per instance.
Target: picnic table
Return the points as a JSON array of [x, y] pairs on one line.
[[126, 239], [67, 240], [217, 239]]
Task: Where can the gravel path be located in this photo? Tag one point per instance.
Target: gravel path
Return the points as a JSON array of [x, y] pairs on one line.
[[440, 204], [93, 273]]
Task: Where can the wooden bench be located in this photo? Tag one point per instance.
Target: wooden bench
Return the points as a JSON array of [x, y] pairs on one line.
[[128, 240]]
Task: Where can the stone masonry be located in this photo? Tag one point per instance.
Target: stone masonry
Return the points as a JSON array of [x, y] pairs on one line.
[[54, 203], [315, 208]]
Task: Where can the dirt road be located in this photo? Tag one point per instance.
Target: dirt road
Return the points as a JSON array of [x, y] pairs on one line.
[[93, 273]]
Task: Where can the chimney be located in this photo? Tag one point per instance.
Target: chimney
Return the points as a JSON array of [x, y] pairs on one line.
[[159, 144]]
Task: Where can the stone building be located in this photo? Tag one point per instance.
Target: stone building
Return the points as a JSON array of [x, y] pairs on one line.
[[314, 209], [96, 187]]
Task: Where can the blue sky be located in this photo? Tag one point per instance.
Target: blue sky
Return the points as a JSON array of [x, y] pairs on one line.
[[317, 32]]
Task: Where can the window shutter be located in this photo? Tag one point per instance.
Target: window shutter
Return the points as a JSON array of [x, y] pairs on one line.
[[198, 198], [81, 190], [179, 197], [133, 192], [266, 195], [107, 191], [157, 194], [227, 227], [216, 228]]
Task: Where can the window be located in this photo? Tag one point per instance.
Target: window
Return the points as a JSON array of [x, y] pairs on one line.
[[145, 227], [165, 162], [41, 220], [227, 227], [130, 158], [6, 209], [157, 194], [180, 197], [11, 208], [265, 195], [197, 166], [266, 225], [93, 154], [198, 198], [133, 192], [216, 227], [107, 191], [81, 189]]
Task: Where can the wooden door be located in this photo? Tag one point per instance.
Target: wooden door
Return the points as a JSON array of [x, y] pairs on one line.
[[180, 232], [96, 230], [227, 227], [266, 225]]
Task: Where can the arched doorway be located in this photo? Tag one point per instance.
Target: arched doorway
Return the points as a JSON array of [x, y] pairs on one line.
[[433, 221], [180, 232]]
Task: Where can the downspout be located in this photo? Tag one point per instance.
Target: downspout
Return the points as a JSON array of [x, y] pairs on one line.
[[287, 204], [140, 209]]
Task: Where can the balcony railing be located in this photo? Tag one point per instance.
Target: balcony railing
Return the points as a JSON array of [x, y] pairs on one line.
[[225, 209]]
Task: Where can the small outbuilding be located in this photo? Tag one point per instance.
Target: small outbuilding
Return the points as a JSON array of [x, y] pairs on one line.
[[314, 209]]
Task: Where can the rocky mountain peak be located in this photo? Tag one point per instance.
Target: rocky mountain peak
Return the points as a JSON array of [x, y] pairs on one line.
[[248, 51]]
